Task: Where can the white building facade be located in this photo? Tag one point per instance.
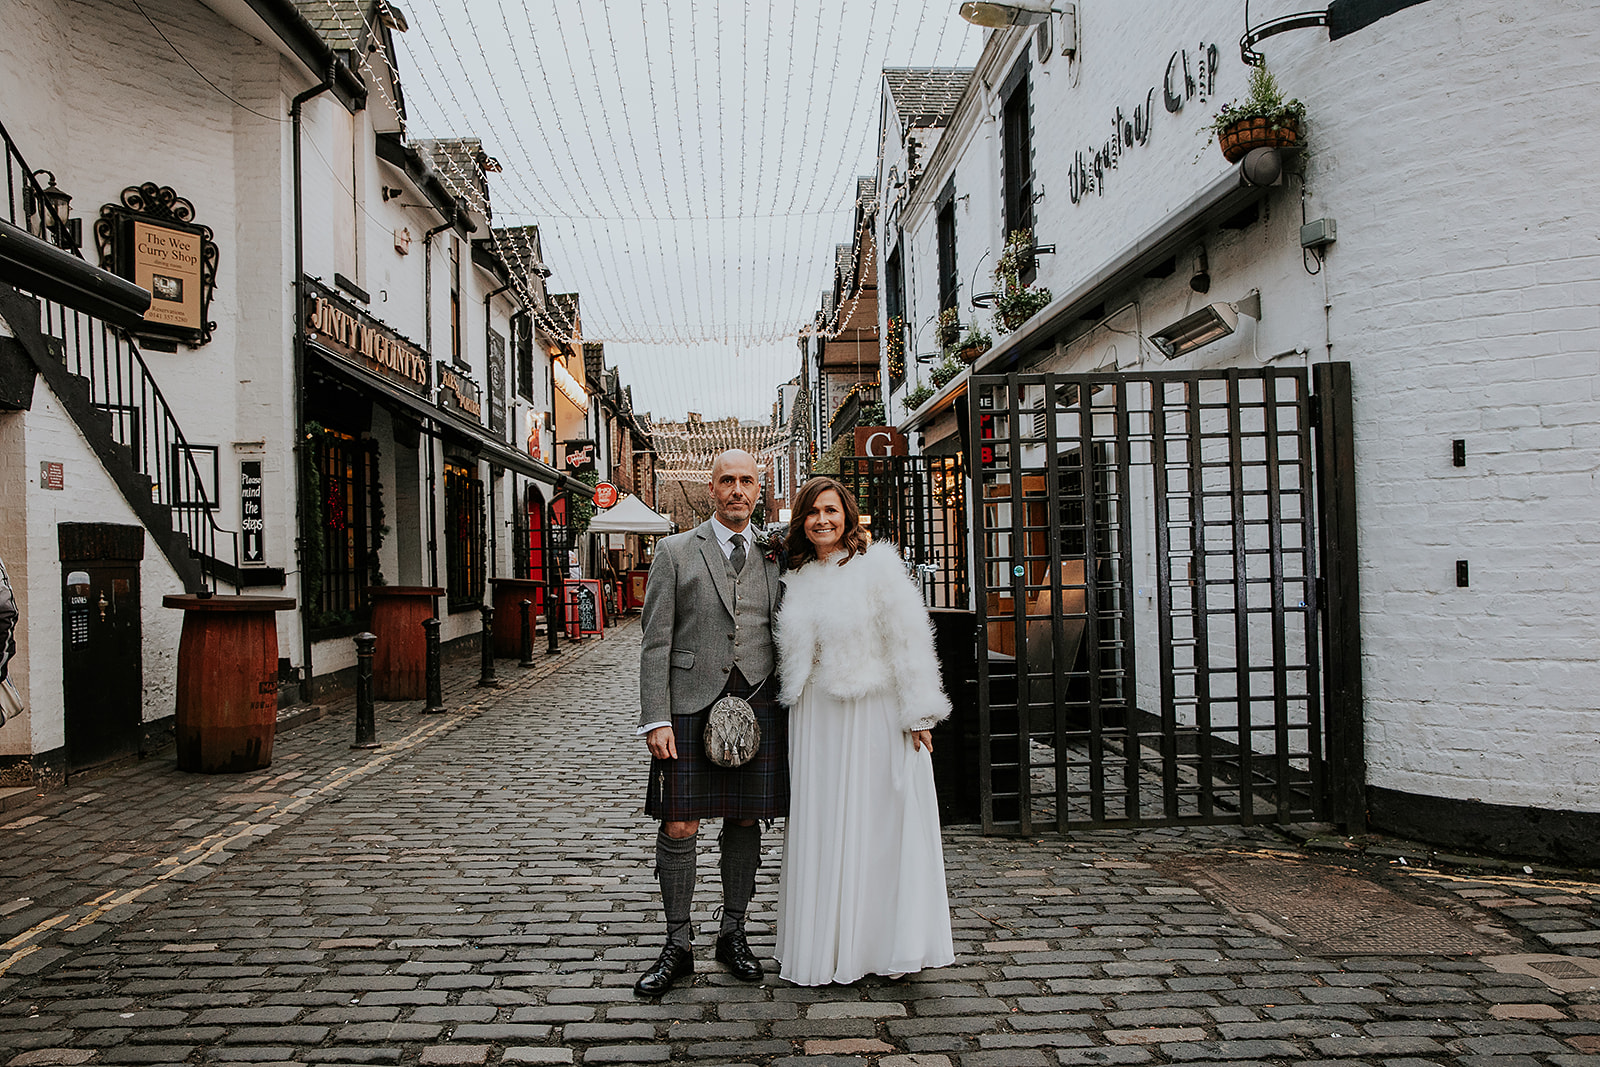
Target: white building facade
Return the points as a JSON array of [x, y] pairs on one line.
[[365, 403], [1466, 306]]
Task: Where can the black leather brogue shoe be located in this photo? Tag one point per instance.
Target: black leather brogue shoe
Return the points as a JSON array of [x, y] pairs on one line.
[[675, 962], [734, 951]]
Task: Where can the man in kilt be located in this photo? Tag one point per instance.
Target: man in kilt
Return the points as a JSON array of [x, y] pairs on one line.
[[707, 624]]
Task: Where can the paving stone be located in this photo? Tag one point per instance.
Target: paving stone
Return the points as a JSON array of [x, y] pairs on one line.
[[454, 1054], [51, 1057], [453, 886]]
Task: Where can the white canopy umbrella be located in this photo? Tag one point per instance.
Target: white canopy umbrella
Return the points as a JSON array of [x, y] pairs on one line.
[[630, 515]]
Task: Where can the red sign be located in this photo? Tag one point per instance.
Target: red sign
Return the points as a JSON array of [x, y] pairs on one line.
[[879, 441], [605, 494]]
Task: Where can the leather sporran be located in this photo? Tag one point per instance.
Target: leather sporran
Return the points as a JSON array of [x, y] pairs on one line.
[[732, 733]]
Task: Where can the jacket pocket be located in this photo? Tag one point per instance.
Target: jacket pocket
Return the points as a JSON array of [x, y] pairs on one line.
[[682, 659]]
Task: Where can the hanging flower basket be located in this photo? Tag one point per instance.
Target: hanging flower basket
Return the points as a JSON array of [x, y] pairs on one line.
[[1258, 132]]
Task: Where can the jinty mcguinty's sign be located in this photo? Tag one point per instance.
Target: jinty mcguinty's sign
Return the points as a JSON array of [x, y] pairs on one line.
[[335, 326], [166, 261]]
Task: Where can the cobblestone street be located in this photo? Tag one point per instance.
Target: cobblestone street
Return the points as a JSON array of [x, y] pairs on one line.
[[479, 890]]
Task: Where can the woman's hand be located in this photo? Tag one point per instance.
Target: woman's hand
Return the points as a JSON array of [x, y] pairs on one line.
[[921, 739]]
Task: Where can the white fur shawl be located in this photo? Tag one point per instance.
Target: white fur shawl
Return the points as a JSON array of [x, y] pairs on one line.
[[858, 628]]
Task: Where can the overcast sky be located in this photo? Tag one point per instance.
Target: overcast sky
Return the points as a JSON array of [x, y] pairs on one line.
[[690, 163]]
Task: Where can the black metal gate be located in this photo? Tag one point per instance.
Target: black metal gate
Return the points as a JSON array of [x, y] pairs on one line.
[[1147, 577], [919, 503]]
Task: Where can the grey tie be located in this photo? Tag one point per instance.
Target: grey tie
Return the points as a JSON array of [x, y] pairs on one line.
[[737, 559]]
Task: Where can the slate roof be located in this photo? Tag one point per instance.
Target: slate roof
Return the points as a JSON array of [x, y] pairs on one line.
[[926, 96], [459, 162], [518, 248], [341, 23]]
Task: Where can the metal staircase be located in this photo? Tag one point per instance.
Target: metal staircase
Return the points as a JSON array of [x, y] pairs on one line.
[[96, 371]]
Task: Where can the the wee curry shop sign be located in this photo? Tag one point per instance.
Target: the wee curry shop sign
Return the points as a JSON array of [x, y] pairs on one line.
[[336, 327]]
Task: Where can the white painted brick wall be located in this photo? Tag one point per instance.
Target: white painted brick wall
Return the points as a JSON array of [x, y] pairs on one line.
[[1464, 290]]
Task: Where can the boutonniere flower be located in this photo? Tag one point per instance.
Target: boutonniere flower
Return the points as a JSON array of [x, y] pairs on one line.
[[770, 544]]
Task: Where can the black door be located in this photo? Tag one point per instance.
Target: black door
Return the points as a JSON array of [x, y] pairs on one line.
[[102, 678]]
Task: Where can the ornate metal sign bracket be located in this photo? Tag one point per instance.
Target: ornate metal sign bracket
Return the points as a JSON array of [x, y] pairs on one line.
[[151, 238]]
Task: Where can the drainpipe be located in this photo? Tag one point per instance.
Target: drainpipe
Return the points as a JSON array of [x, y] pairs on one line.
[[298, 452], [494, 542], [434, 438]]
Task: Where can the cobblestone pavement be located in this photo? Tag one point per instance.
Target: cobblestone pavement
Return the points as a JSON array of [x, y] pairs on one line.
[[478, 891]]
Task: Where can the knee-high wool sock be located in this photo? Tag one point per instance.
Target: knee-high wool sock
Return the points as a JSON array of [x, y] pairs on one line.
[[741, 857], [675, 870]]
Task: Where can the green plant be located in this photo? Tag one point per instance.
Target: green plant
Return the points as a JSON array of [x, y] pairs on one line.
[[895, 348], [872, 413], [919, 393], [975, 337], [1264, 100], [945, 372], [1016, 303], [948, 330], [580, 506]]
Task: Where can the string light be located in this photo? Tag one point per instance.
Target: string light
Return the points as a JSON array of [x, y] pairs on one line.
[[659, 262]]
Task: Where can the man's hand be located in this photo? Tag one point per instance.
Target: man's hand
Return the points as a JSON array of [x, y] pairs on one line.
[[663, 743]]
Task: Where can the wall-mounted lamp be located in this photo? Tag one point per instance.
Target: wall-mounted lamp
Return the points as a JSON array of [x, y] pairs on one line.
[[1211, 323], [929, 357], [1027, 13], [49, 213]]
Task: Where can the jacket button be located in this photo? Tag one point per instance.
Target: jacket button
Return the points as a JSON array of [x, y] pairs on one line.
[[727, 670]]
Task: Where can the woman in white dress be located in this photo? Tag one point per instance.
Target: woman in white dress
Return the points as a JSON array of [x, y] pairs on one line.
[[862, 884]]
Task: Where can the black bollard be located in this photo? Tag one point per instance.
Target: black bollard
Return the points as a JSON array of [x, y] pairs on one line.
[[486, 643], [526, 608], [366, 718], [435, 686]]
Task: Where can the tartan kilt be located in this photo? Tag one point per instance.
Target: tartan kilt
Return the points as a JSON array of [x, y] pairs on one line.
[[691, 787]]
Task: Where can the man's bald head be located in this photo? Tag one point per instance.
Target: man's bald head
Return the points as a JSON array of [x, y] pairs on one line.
[[735, 487]]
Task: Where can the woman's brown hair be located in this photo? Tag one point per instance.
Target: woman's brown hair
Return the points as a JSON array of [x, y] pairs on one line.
[[799, 547]]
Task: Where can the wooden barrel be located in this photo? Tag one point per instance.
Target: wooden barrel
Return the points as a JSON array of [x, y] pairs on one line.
[[509, 593], [400, 661], [227, 692]]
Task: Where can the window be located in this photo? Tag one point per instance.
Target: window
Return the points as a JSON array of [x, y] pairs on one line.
[[522, 339], [463, 534], [895, 304], [455, 300], [346, 485], [949, 280], [1016, 150]]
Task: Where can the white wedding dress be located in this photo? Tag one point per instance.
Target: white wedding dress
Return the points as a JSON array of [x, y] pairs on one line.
[[861, 889]]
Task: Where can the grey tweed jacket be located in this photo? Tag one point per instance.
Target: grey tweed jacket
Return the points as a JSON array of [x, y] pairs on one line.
[[688, 624]]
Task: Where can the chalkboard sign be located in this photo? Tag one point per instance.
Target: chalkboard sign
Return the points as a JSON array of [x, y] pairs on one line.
[[583, 607]]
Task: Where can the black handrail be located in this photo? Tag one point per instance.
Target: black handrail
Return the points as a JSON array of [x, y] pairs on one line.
[[120, 385]]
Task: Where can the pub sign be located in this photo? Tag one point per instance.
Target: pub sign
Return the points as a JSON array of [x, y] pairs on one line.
[[151, 239], [339, 328], [459, 394]]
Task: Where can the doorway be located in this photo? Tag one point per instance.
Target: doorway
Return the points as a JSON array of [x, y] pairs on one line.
[[102, 668]]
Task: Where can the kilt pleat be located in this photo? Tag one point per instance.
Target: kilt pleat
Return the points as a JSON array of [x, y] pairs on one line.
[[691, 787]]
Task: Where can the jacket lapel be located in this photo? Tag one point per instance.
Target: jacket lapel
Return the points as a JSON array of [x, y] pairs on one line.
[[711, 552]]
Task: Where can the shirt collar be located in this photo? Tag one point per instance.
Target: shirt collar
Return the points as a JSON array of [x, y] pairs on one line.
[[725, 535]]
